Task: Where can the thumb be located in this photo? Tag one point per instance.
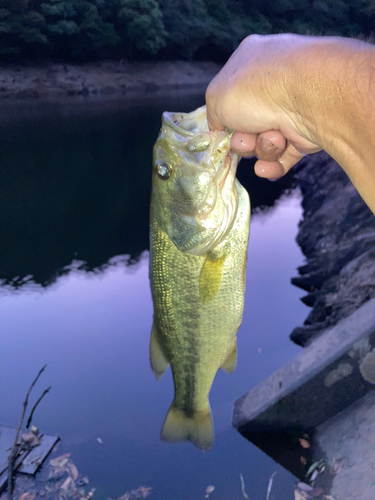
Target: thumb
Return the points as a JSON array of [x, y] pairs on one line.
[[213, 122], [211, 108]]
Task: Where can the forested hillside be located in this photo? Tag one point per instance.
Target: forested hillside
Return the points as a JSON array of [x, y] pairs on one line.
[[80, 30]]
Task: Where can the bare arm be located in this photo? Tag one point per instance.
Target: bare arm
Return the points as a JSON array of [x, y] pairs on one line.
[[290, 95]]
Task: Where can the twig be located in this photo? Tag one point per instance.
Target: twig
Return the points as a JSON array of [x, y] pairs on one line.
[[243, 488], [46, 391], [15, 448], [270, 486]]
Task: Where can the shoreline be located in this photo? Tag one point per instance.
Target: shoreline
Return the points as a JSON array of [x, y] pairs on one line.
[[337, 237], [103, 79]]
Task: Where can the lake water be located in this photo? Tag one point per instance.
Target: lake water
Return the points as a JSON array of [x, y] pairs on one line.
[[74, 200]]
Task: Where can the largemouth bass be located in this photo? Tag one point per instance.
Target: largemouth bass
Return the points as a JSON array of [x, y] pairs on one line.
[[199, 225]]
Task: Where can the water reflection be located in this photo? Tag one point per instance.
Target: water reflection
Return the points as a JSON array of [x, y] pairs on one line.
[[93, 330], [74, 194], [76, 186]]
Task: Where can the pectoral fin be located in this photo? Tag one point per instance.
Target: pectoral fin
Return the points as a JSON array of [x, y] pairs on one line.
[[210, 278], [158, 360], [230, 363]]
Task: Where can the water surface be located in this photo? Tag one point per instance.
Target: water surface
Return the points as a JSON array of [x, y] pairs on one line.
[[74, 197]]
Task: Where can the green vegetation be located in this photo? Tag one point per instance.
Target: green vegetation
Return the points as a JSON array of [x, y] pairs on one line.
[[166, 29]]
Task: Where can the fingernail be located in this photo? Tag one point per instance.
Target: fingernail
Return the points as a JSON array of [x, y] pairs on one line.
[[267, 146]]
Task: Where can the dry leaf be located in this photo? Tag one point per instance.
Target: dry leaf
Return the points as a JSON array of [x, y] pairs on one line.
[[144, 491], [66, 483], [304, 487], [269, 488], [337, 465], [125, 496], [316, 492], [300, 495], [304, 443], [316, 466], [90, 494], [56, 461], [30, 495], [209, 490], [73, 470], [57, 469], [28, 437], [314, 475]]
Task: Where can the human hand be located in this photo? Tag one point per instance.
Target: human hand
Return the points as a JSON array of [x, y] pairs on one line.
[[258, 95]]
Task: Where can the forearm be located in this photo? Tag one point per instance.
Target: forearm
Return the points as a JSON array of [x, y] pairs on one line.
[[334, 86]]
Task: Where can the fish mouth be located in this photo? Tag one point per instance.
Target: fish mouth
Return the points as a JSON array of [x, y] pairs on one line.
[[187, 124], [200, 229]]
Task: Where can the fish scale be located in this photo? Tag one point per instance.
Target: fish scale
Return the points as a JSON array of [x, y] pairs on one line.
[[198, 299]]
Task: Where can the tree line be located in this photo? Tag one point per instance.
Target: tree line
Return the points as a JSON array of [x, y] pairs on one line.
[[80, 30]]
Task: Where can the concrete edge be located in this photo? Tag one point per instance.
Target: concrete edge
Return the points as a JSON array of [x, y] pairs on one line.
[[352, 333]]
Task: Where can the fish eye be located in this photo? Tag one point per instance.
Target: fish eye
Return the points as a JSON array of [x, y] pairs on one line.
[[163, 170]]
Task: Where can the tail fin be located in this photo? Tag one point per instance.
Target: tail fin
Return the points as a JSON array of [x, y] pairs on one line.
[[198, 429]]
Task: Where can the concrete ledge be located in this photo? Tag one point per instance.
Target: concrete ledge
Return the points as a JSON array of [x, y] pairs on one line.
[[326, 378]]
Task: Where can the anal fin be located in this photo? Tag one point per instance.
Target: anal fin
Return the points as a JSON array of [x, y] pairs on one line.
[[231, 360], [158, 361]]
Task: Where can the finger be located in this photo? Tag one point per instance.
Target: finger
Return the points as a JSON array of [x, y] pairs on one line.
[[270, 145], [268, 169], [276, 169], [243, 144]]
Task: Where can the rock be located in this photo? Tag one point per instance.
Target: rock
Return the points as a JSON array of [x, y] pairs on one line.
[[337, 236]]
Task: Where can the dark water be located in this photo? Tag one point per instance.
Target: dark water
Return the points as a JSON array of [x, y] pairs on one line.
[[74, 197]]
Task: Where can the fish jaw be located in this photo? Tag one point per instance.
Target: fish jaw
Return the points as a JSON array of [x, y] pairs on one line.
[[225, 178], [198, 203]]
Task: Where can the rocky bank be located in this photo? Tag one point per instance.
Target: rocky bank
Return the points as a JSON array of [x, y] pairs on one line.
[[337, 236], [106, 78]]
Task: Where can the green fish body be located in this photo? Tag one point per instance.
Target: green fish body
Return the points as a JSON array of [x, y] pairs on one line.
[[199, 229]]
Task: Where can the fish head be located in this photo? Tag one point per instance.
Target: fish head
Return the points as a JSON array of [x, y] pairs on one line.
[[194, 197]]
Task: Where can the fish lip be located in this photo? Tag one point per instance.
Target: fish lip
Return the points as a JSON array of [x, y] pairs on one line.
[[197, 117], [167, 118], [229, 167], [222, 174]]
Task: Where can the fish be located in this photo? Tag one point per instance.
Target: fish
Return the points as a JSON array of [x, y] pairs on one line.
[[199, 232]]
